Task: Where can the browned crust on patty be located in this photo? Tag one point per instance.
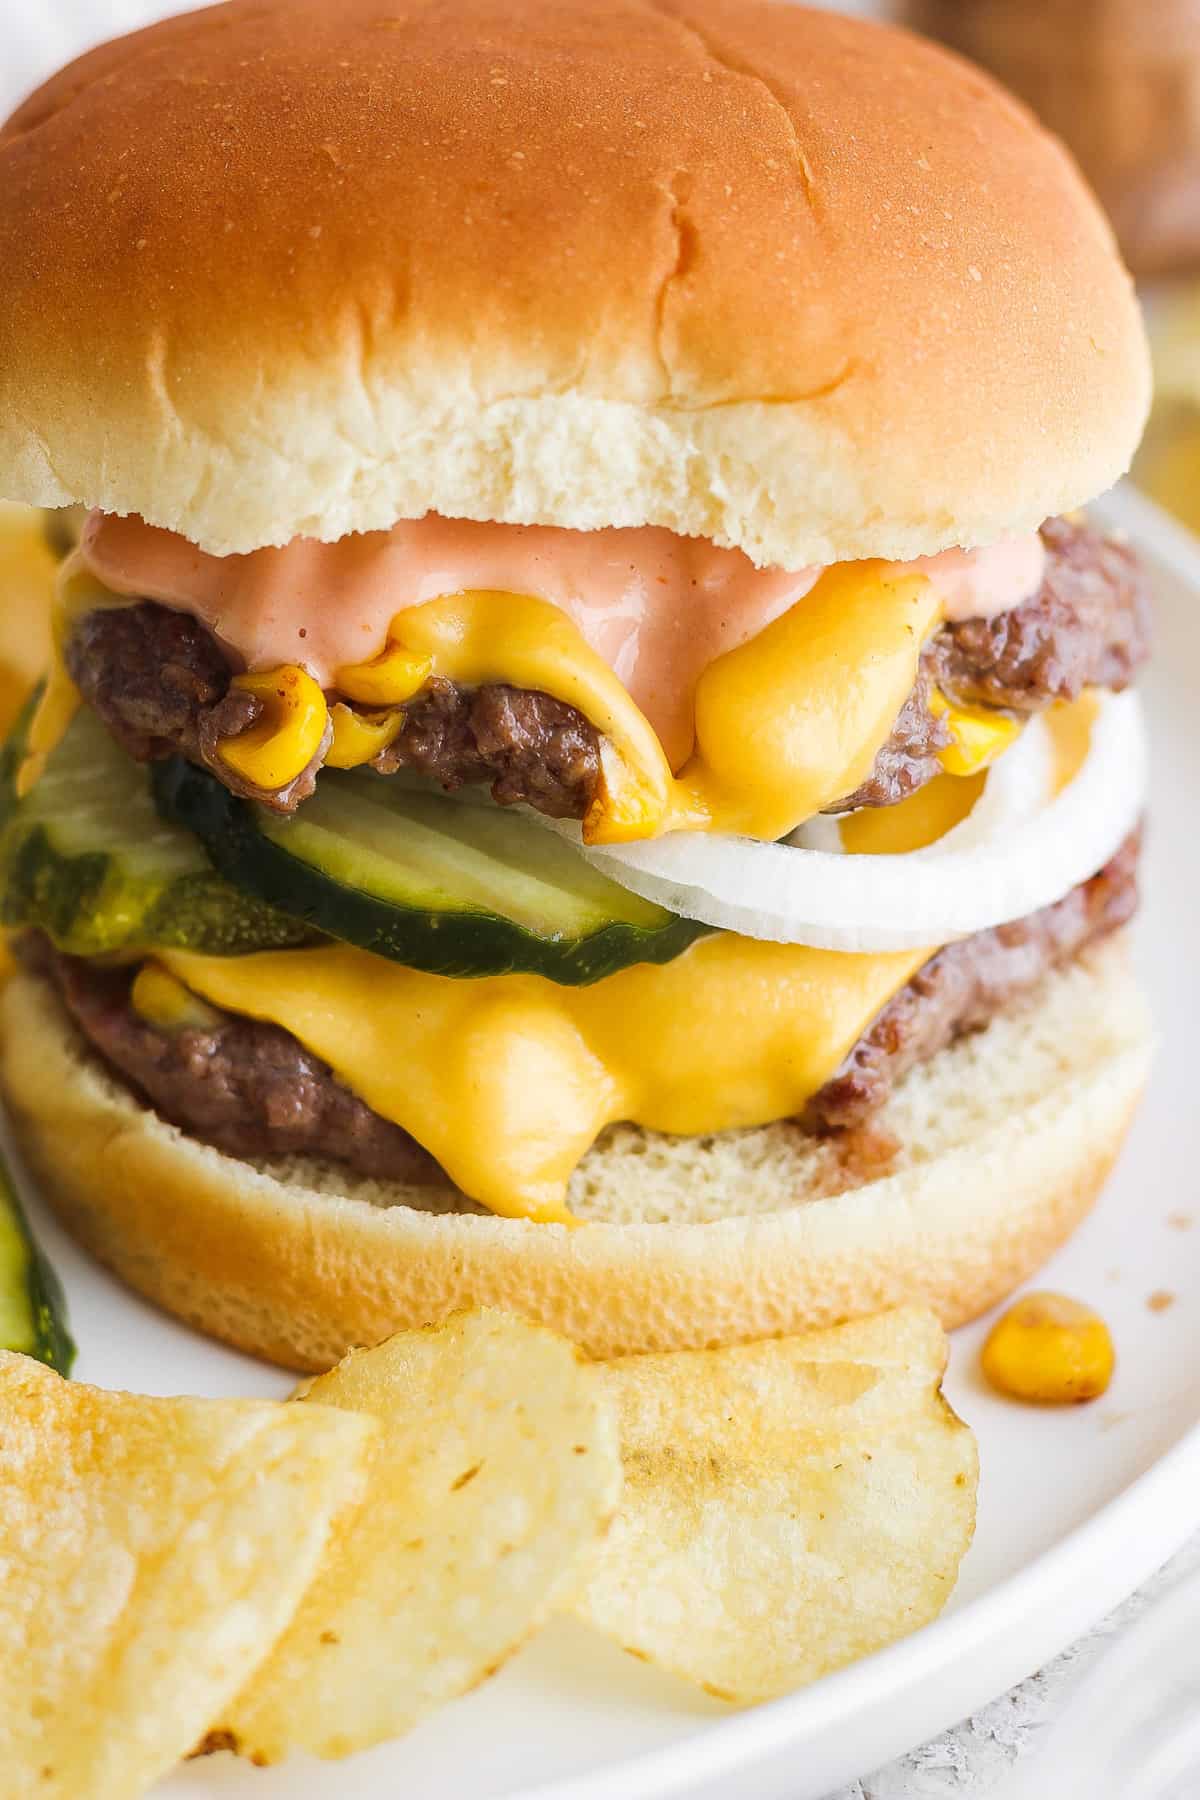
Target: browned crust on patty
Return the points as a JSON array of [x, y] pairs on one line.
[[963, 987], [160, 682], [1004, 1143], [1088, 625], [253, 1090], [244, 1085]]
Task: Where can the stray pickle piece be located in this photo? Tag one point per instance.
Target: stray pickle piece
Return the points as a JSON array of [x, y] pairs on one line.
[[1049, 1350]]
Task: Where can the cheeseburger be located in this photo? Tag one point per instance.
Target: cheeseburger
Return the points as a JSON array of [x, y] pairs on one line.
[[589, 762]]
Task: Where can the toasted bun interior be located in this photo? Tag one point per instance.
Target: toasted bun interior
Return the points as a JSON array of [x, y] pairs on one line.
[[1004, 1140], [796, 282]]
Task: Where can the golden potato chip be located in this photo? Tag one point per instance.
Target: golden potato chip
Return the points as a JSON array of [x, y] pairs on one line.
[[151, 1552], [789, 1506], [497, 1465]]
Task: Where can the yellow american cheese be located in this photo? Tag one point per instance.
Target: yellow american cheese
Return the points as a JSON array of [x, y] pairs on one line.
[[359, 736], [785, 724], [944, 802], [288, 732], [508, 1079], [479, 637], [1070, 726], [27, 571], [54, 711], [164, 1002], [979, 734], [75, 592], [792, 721], [914, 823]]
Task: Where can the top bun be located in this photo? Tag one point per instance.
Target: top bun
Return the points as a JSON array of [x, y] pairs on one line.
[[791, 281]]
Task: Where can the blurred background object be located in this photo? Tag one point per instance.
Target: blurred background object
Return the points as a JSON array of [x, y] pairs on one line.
[[27, 566], [1168, 462], [38, 36], [1119, 81]]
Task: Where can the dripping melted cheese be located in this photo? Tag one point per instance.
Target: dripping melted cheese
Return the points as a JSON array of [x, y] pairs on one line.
[[726, 698], [509, 1079]]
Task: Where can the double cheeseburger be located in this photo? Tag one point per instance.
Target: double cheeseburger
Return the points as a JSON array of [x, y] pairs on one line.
[[587, 764]]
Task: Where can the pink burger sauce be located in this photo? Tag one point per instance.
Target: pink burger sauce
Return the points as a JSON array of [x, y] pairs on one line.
[[658, 608]]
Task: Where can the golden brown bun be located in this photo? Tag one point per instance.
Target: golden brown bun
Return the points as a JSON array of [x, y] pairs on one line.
[[791, 281], [1006, 1140]]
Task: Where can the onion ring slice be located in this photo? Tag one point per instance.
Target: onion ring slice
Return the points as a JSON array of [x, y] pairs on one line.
[[1017, 851]]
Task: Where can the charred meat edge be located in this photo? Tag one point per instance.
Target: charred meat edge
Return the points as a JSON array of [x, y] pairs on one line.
[[253, 1090], [161, 684]]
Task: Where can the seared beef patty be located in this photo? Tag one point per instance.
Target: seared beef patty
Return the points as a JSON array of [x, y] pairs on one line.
[[965, 985], [1088, 625], [253, 1090], [530, 746], [160, 682], [248, 1087]]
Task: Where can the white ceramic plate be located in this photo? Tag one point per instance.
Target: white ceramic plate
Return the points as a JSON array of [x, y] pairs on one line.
[[1076, 1508]]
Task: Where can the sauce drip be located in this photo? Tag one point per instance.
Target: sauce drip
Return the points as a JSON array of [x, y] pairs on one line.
[[657, 607]]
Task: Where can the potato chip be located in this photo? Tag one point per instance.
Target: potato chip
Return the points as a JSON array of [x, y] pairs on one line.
[[496, 1467], [789, 1506], [151, 1552]]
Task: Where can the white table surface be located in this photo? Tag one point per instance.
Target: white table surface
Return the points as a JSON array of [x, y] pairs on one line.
[[974, 1758]]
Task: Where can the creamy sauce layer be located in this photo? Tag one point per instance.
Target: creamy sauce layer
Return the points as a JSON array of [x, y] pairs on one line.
[[978, 584], [656, 607]]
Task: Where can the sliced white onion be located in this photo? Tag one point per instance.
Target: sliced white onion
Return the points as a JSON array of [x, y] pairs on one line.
[[1015, 852], [824, 832], [1017, 787]]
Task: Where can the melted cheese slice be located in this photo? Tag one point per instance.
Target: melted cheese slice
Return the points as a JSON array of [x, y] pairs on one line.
[[944, 802], [1070, 726], [784, 725], [911, 824], [76, 592], [507, 1080]]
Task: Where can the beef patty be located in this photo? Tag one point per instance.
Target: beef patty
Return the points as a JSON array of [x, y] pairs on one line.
[[251, 1089], [966, 984], [246, 1086], [1088, 625], [161, 683]]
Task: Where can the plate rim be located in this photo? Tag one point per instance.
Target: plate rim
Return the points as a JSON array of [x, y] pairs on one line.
[[1156, 1500], [1003, 1633], [1152, 1498]]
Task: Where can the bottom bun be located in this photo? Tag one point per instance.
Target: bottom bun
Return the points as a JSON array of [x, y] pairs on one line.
[[1004, 1142]]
